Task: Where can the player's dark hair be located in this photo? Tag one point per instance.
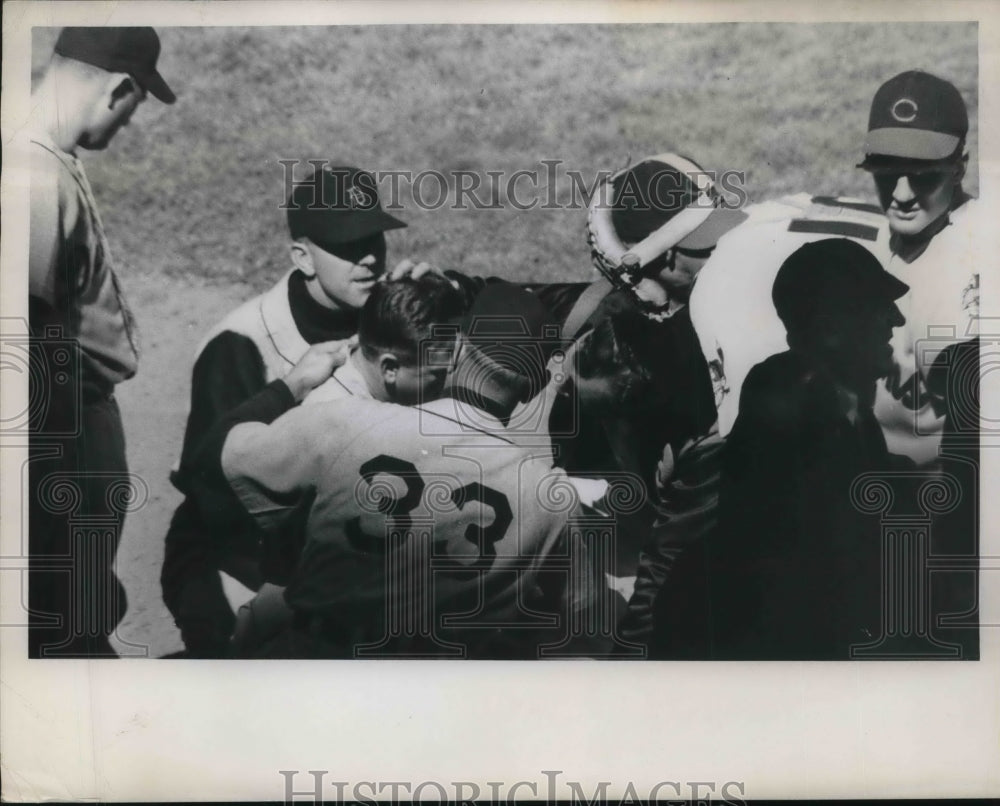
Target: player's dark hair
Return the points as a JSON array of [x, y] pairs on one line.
[[619, 347], [520, 385], [400, 314]]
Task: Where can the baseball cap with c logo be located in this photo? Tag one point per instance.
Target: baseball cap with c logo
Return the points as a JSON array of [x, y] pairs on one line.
[[915, 116]]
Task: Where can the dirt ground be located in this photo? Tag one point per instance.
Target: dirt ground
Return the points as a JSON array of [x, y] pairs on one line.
[[173, 316]]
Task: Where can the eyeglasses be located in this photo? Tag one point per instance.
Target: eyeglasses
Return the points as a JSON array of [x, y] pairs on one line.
[[920, 181]]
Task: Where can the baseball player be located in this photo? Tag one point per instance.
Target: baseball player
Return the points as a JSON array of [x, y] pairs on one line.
[[916, 152], [84, 338], [731, 307], [650, 230], [338, 252], [651, 227], [386, 365], [430, 533]]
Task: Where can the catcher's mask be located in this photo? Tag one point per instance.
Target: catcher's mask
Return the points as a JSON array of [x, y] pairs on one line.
[[646, 210]]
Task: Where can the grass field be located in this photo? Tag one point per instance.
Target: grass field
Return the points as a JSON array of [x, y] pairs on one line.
[[191, 193], [193, 190]]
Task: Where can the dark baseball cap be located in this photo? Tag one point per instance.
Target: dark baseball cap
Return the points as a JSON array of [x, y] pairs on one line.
[[512, 327], [118, 50], [915, 116], [831, 276], [650, 193], [337, 205]]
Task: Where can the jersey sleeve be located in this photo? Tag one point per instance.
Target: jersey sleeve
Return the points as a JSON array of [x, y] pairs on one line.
[[50, 268], [273, 468], [204, 476], [228, 372], [54, 212]]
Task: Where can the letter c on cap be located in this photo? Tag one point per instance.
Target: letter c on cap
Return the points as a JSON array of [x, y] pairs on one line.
[[904, 110]]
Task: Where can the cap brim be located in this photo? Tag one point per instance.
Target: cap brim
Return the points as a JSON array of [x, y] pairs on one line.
[[894, 287], [371, 223], [879, 164], [154, 84], [914, 144], [706, 235]]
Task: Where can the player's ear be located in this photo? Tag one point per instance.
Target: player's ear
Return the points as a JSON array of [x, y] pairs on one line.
[[302, 257], [961, 168], [119, 87], [389, 366]]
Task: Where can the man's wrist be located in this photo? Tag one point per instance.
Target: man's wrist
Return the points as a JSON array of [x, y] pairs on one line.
[[295, 390]]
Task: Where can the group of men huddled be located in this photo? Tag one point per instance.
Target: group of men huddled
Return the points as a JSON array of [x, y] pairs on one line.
[[674, 461]]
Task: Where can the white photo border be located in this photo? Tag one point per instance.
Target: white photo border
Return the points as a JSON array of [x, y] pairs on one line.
[[211, 730]]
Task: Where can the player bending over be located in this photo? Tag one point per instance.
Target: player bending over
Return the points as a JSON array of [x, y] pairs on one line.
[[385, 365], [429, 532]]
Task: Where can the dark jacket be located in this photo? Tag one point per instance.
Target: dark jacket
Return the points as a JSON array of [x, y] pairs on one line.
[[793, 570]]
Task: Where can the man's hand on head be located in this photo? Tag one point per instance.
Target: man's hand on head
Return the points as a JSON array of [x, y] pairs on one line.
[[317, 365], [414, 270]]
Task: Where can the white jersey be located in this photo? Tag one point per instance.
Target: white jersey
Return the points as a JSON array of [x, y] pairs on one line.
[[731, 307], [403, 501], [941, 307], [346, 381]]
